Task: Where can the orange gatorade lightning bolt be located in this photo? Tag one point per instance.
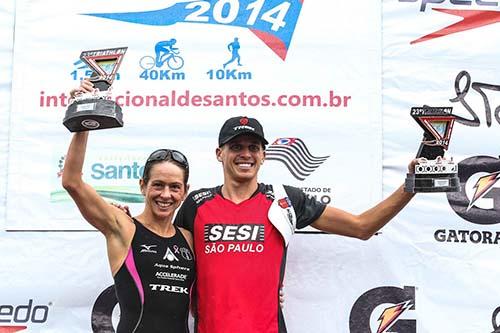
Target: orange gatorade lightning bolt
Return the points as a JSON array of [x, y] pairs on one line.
[[483, 186], [390, 315]]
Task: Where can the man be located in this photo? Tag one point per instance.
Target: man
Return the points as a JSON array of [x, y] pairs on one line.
[[240, 237]]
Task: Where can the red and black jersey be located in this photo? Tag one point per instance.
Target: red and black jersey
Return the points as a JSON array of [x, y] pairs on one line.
[[240, 258]]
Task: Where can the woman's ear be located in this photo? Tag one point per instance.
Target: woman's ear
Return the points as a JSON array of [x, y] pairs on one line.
[[142, 186]]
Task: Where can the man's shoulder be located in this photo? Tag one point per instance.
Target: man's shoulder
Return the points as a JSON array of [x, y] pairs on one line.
[[271, 190], [203, 194]]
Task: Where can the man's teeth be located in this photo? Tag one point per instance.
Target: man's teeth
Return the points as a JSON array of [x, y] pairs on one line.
[[163, 204], [245, 165]]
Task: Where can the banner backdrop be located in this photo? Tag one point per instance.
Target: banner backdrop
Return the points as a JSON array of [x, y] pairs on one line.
[[335, 78], [449, 242]]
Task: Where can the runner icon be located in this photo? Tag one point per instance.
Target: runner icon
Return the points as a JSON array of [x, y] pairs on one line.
[[234, 48]]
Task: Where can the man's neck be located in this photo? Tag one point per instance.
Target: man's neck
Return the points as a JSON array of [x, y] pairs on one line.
[[238, 192]]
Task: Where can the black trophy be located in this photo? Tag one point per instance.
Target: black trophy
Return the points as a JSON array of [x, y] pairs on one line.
[[433, 173], [91, 111]]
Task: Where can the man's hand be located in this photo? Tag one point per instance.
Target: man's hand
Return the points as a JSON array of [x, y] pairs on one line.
[[411, 165], [282, 297], [123, 208]]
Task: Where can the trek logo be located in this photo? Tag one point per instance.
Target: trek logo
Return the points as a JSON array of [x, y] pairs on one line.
[[170, 289], [239, 128], [22, 314], [471, 18], [233, 233], [273, 21], [398, 302], [295, 155], [479, 198], [148, 248]]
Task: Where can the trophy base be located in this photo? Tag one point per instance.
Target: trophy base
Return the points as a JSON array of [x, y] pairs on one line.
[[93, 114], [432, 183]]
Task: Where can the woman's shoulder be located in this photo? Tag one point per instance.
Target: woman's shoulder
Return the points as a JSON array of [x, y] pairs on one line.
[[188, 236]]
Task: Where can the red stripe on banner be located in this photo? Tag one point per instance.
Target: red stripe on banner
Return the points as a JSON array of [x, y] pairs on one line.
[[272, 42], [11, 329], [471, 19]]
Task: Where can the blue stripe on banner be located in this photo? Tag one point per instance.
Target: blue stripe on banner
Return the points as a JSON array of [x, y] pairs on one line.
[[273, 21]]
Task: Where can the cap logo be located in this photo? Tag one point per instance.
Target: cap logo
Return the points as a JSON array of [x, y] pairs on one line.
[[244, 121]]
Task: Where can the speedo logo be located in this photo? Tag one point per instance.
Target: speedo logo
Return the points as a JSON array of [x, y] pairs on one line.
[[461, 3], [24, 313], [234, 232], [471, 18]]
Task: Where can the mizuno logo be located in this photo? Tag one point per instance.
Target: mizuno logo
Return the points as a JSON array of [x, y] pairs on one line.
[[293, 153], [148, 248]]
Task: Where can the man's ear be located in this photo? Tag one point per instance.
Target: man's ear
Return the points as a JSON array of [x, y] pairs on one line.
[[186, 192], [218, 152]]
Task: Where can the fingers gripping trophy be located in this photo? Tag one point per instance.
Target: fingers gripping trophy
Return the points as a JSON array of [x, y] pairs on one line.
[[96, 109], [433, 172]]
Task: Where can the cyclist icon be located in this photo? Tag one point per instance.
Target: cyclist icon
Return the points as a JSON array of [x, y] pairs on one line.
[[165, 52]]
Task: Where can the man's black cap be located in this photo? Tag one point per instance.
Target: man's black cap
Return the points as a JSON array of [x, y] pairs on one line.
[[240, 125]]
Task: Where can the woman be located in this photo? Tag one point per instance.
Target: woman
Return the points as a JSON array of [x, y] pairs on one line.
[[151, 260]]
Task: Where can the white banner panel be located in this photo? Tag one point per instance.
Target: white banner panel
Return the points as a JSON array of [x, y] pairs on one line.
[[309, 74], [442, 54], [190, 102], [6, 49]]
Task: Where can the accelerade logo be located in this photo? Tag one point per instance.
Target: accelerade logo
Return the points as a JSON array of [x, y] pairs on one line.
[[388, 306]]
